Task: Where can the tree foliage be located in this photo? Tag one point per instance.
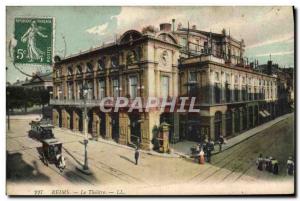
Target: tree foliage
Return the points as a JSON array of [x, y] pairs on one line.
[[21, 97]]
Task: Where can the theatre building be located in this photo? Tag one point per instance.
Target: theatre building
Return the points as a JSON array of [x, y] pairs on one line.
[[231, 94], [143, 65]]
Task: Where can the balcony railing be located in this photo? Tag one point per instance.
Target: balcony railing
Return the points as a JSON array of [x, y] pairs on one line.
[[74, 102]]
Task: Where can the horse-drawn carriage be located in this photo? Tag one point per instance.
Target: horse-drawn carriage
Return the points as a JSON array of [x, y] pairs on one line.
[[52, 153], [42, 129]]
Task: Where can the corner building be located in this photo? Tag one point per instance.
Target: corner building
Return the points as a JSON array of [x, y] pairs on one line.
[[231, 95]]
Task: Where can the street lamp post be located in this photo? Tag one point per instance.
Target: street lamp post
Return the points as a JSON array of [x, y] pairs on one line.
[[85, 168]]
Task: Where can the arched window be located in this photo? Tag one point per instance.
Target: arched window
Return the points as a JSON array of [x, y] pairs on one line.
[[89, 67], [101, 64], [218, 125], [79, 69], [70, 70]]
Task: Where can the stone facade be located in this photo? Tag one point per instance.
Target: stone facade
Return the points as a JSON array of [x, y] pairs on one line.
[[231, 95]]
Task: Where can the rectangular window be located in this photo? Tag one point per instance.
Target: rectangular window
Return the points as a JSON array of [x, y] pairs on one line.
[[59, 92], [192, 83], [101, 93], [227, 91], [217, 77], [236, 93], [115, 88], [236, 79], [164, 86], [183, 42], [244, 93], [90, 90], [217, 93], [133, 87], [250, 94], [70, 90], [79, 91]]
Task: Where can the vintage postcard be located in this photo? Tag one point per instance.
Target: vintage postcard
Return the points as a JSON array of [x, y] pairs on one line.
[[124, 101]]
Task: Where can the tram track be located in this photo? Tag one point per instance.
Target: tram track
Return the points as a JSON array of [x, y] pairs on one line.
[[252, 143]]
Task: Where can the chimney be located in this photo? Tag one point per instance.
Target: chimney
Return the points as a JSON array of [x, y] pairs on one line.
[[165, 27], [194, 27], [173, 25]]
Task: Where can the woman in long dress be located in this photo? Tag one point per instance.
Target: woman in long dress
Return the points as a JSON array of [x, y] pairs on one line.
[[201, 157], [33, 52]]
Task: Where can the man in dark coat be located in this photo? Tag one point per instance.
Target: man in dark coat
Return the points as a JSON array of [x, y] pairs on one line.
[[274, 166], [209, 149], [136, 155], [260, 162], [290, 166], [221, 142]]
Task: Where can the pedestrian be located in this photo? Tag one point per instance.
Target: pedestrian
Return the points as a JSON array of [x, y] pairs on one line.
[[136, 155], [260, 162], [269, 164], [266, 163], [201, 157], [290, 166], [274, 166], [209, 149], [221, 142]]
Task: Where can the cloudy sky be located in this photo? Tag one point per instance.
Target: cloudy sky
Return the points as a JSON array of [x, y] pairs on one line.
[[266, 30]]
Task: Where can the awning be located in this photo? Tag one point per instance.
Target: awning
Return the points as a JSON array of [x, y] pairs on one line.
[[262, 114], [267, 113]]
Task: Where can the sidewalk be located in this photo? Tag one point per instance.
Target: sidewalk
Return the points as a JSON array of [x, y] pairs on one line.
[[249, 133], [111, 142], [183, 149]]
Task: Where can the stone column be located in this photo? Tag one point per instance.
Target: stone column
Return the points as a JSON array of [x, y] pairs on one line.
[[123, 123], [224, 124], [55, 117], [146, 141], [232, 122], [95, 125], [212, 128], [176, 127], [241, 120], [75, 121], [108, 126], [68, 120], [64, 118]]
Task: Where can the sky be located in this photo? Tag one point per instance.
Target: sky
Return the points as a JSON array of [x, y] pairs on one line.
[[265, 30]]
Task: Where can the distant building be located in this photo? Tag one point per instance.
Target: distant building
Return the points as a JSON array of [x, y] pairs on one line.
[[39, 81]]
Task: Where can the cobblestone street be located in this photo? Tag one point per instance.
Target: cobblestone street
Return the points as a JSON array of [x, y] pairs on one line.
[[113, 165]]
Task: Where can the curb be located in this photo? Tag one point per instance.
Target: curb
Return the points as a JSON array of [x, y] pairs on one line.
[[153, 153], [174, 154], [274, 123]]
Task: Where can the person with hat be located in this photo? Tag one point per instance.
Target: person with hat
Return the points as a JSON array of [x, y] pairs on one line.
[[290, 166], [275, 167], [260, 162], [136, 155], [269, 164]]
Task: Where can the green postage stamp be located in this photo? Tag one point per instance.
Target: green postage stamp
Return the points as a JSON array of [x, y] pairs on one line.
[[34, 40]]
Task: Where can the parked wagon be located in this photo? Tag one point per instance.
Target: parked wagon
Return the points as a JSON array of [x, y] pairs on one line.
[[42, 129], [52, 153]]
